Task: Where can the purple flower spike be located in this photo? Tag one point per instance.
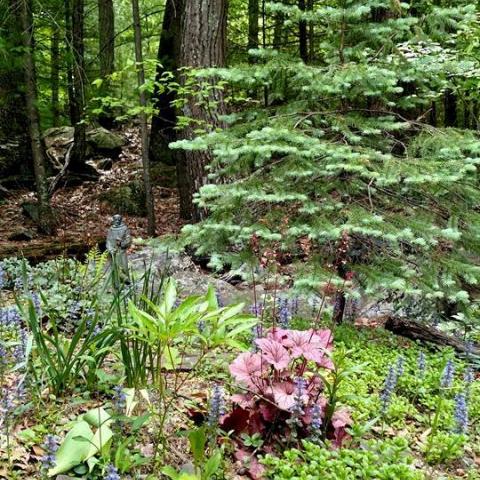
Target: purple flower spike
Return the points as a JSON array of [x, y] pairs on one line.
[[50, 445], [316, 424], [421, 364], [447, 375], [119, 399], [388, 388], [461, 413], [284, 314], [112, 473], [217, 406]]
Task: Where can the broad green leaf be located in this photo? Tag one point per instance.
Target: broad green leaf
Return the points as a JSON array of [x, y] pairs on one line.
[[130, 402], [197, 439], [100, 439], [73, 451], [170, 472], [91, 462], [212, 465], [212, 298], [97, 417], [169, 298], [138, 422]]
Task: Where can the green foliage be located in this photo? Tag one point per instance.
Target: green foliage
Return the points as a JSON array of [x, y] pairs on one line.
[[164, 334], [445, 447], [94, 439], [59, 360], [382, 460], [343, 145], [205, 466]]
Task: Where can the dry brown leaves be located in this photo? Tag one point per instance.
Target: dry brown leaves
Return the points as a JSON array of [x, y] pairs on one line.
[[81, 213]]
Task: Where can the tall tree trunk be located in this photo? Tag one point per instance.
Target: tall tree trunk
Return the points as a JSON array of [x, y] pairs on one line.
[[203, 37], [302, 33], [79, 139], [106, 28], [165, 118], [433, 114], [311, 35], [450, 102], [77, 164], [70, 60], [36, 142], [15, 152], [253, 30], [55, 75], [143, 118]]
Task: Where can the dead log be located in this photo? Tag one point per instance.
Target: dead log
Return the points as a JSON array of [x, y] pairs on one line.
[[424, 333], [41, 250]]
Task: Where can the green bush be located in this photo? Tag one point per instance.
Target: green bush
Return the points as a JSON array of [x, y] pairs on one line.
[[379, 460]]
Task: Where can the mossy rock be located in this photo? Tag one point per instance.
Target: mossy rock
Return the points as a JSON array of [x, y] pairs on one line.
[[126, 199], [100, 141], [58, 136], [163, 175], [103, 140]]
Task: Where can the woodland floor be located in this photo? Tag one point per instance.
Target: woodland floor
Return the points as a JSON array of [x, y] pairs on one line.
[[82, 214]]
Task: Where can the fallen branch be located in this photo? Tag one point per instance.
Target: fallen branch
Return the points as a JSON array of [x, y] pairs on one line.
[[418, 331], [39, 251], [63, 171]]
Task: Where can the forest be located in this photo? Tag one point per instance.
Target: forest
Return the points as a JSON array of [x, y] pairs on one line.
[[239, 239]]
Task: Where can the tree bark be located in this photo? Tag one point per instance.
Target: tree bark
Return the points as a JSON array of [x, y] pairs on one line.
[[70, 61], [15, 151], [55, 75], [253, 30], [106, 28], [203, 37], [418, 331], [79, 139], [36, 142], [278, 31], [302, 33], [450, 102], [165, 118], [143, 118], [311, 35]]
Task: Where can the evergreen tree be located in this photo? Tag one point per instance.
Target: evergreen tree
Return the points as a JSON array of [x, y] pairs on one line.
[[343, 158]]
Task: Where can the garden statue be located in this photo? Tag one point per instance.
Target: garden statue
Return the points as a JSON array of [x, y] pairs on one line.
[[119, 240]]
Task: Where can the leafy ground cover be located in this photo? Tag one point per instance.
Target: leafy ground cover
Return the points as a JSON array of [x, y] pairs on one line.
[[143, 383]]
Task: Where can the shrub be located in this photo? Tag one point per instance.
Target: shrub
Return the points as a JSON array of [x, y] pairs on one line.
[[286, 397]]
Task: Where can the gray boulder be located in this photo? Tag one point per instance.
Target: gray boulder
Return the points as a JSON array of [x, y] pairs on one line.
[[100, 142], [190, 279]]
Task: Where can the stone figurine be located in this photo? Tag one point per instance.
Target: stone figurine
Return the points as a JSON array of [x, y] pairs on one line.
[[119, 240]]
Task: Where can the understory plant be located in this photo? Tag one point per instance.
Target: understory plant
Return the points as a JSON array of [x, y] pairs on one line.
[[102, 439], [175, 339], [288, 391], [59, 360], [173, 332], [205, 466], [372, 459]]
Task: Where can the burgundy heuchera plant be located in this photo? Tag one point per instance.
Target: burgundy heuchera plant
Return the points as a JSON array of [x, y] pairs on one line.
[[283, 391]]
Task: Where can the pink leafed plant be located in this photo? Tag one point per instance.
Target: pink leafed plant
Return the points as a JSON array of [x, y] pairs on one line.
[[283, 394]]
